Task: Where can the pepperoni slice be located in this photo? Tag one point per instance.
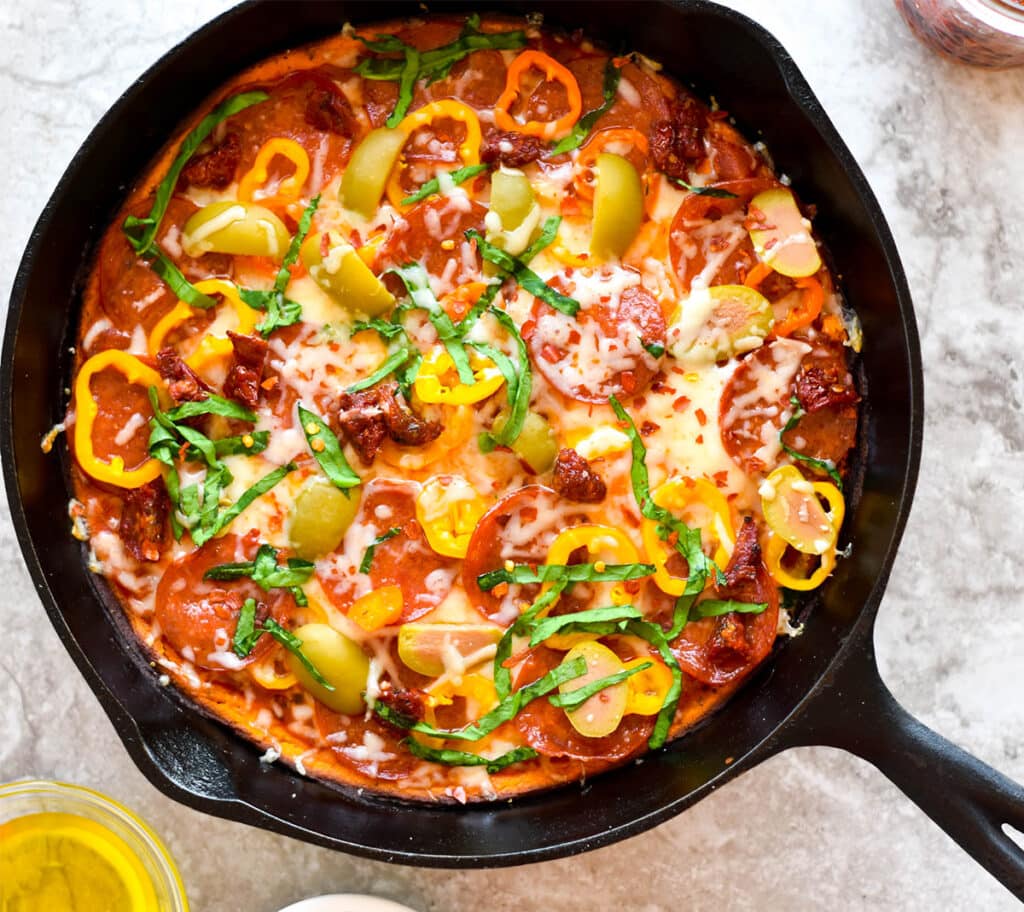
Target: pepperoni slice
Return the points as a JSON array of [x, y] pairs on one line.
[[369, 746], [198, 617], [547, 728], [601, 351], [407, 561], [721, 649], [418, 235], [708, 228], [308, 107], [754, 400], [520, 527], [130, 292]]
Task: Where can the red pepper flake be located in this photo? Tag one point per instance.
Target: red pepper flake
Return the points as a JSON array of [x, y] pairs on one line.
[[604, 299], [678, 370], [700, 438], [640, 402], [664, 388], [550, 353], [702, 418], [527, 330], [632, 586], [574, 337], [269, 383], [501, 590], [673, 539], [648, 428], [628, 380], [681, 403], [721, 479]]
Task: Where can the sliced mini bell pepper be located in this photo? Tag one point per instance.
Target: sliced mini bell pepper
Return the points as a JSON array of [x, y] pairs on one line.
[[793, 511], [289, 188], [210, 346], [678, 495], [86, 410], [378, 608], [469, 150], [774, 552], [448, 508], [621, 139], [806, 311], [553, 71], [269, 675], [602, 542], [438, 381], [618, 206], [647, 688], [475, 688]]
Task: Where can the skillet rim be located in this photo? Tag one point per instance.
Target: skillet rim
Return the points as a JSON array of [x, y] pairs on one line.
[[235, 807]]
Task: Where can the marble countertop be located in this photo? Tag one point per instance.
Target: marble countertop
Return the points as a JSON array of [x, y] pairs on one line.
[[813, 828]]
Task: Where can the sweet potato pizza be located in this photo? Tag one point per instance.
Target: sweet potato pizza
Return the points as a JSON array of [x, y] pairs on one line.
[[457, 405]]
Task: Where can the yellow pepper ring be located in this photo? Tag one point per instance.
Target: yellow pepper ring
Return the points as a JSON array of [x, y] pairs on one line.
[[378, 608], [469, 151], [647, 688], [598, 540], [289, 188], [430, 382], [805, 524], [448, 508], [474, 687], [210, 347], [266, 673], [773, 553], [86, 410], [677, 495]]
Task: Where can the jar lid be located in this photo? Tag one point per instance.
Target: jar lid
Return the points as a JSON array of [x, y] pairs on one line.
[[346, 902]]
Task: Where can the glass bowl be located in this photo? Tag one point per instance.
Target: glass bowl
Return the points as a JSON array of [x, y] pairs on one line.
[[129, 844]]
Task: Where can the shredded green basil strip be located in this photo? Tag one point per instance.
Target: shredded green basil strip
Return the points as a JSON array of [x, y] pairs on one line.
[[458, 176], [236, 446], [436, 63], [654, 349], [715, 192], [284, 274], [366, 564], [331, 458], [688, 541], [574, 699], [294, 645], [265, 571], [508, 708], [183, 289], [585, 124], [417, 284], [206, 531], [382, 327], [569, 573], [528, 280], [552, 625], [654, 635], [502, 675], [718, 607], [245, 629], [141, 232], [211, 405], [449, 757], [393, 362], [518, 393], [822, 465]]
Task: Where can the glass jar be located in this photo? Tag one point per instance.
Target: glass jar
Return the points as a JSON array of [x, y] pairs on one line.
[[983, 33], [62, 844]]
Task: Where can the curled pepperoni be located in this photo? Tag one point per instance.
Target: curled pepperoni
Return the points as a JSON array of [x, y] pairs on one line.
[[418, 235], [308, 107], [130, 292], [198, 616], [718, 650], [520, 527], [368, 746], [709, 229], [547, 728], [214, 168], [618, 362], [754, 401], [407, 560]]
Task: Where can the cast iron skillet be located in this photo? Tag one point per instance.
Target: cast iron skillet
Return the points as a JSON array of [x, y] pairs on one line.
[[819, 688]]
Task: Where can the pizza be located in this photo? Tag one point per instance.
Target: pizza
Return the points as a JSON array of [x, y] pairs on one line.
[[458, 408]]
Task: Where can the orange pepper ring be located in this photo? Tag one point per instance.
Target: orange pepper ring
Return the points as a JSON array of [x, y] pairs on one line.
[[806, 312], [587, 157], [553, 71]]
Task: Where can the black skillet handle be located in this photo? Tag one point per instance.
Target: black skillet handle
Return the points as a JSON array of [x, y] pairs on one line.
[[967, 798]]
